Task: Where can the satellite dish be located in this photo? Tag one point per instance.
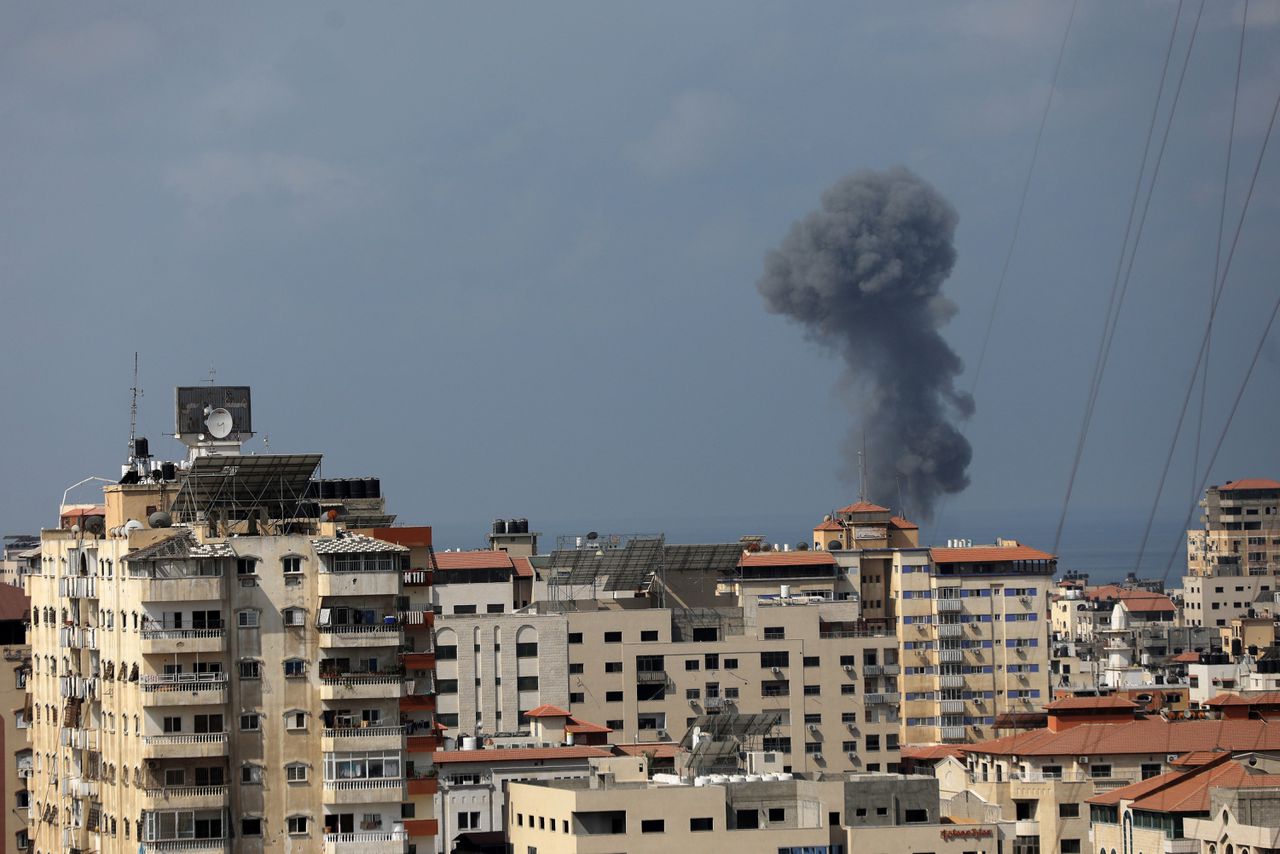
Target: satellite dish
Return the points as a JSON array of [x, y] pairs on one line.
[[219, 423]]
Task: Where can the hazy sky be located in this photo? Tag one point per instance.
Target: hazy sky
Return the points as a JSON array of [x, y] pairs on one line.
[[505, 256]]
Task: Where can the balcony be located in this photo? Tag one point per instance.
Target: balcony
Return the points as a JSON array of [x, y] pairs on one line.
[[170, 846], [191, 588], [423, 786], [195, 746], [950, 656], [872, 669], [187, 797], [361, 636], [361, 686], [173, 641], [367, 842], [359, 583], [422, 744], [1106, 784], [417, 578], [881, 699], [184, 689], [950, 630], [413, 702], [951, 707], [418, 660], [953, 733], [372, 791], [950, 680], [1027, 828], [80, 739], [362, 738], [948, 606], [76, 637]]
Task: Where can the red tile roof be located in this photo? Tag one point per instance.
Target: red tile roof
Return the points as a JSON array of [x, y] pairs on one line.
[[546, 711], [1152, 735], [829, 525], [1187, 790], [1188, 657], [1197, 757], [586, 727], [1134, 599], [1264, 698], [518, 754], [524, 568], [904, 524], [479, 559], [1249, 483], [989, 554], [1110, 702], [795, 558], [863, 507], [14, 604], [931, 752]]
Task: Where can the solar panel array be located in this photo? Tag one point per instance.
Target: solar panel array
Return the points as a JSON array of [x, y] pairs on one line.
[[714, 557]]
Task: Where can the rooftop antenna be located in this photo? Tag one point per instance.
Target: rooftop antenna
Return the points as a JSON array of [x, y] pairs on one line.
[[213, 375], [862, 469], [135, 393]]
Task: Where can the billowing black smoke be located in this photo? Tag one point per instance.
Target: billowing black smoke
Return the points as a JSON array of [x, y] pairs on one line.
[[863, 275]]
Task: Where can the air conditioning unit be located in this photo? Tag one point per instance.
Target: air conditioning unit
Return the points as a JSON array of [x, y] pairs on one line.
[[817, 757], [1171, 758], [848, 668], [813, 727], [777, 671], [853, 757], [1082, 760]]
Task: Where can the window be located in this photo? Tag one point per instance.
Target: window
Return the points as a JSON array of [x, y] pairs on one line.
[[295, 667], [295, 772], [649, 636], [494, 608], [812, 661], [250, 827], [526, 683], [774, 633], [464, 609], [1069, 846], [774, 659], [446, 652], [174, 777], [613, 667], [250, 722], [848, 688], [575, 667], [813, 717], [469, 820], [295, 720], [298, 825], [251, 775], [1068, 810], [730, 664], [653, 825], [916, 816], [777, 814], [614, 725], [249, 670], [527, 650], [813, 748], [247, 619], [246, 566], [692, 693], [848, 717], [812, 690], [1100, 771], [291, 565], [1150, 769], [697, 825], [446, 686], [577, 697], [574, 637], [613, 696], [173, 724], [692, 664], [295, 617], [872, 742], [613, 637]]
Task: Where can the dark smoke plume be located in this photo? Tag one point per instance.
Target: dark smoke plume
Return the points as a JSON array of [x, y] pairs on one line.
[[862, 275]]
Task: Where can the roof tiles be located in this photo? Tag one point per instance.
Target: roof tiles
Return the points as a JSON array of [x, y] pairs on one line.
[[989, 554], [479, 559]]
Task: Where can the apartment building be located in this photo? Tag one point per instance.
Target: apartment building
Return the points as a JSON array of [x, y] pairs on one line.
[[973, 637], [14, 551], [1235, 558], [1176, 811], [221, 664], [14, 746], [1043, 779], [833, 687]]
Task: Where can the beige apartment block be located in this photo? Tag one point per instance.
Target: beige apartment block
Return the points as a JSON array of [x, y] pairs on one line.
[[834, 689], [1235, 558], [492, 668], [16, 748], [201, 688], [973, 633]]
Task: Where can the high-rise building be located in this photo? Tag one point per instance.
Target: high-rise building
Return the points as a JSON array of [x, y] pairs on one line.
[[223, 664], [1235, 558]]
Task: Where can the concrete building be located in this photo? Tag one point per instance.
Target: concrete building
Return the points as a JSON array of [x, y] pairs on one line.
[[14, 551], [221, 665], [14, 744], [973, 637], [1235, 558]]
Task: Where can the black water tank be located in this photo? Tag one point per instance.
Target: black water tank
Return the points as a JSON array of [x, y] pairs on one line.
[[168, 471], [522, 526], [357, 487], [373, 487], [141, 448], [328, 489], [341, 489], [499, 526], [513, 526]]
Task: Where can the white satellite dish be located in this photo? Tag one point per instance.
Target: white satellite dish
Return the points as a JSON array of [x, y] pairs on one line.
[[219, 423]]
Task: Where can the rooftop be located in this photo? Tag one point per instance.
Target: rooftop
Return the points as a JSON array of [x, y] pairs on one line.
[[1110, 703], [354, 544], [1186, 790], [795, 558], [1249, 483], [519, 754], [989, 554], [478, 559], [863, 507], [180, 546], [1152, 735]]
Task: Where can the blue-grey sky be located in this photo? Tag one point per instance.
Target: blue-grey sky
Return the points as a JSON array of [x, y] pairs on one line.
[[505, 256]]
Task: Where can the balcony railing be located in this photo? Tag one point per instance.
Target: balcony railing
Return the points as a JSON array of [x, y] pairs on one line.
[[948, 606], [182, 634], [953, 733], [887, 699], [185, 792], [367, 836], [194, 738], [361, 629], [363, 732], [360, 678], [950, 630], [951, 680], [166, 845], [185, 682]]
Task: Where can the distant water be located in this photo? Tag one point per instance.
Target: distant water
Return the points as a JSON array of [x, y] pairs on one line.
[[1103, 545]]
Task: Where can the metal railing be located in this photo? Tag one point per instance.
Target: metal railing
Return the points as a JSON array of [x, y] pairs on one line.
[[172, 792], [193, 738], [367, 783], [182, 634], [367, 836], [363, 732]]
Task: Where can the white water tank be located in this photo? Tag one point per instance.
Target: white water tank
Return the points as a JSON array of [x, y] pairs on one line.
[[699, 781], [754, 778], [786, 590], [568, 739], [469, 742], [737, 778], [786, 775]]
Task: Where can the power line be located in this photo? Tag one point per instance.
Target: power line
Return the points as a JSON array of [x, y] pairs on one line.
[[1115, 287], [1217, 259], [1022, 200]]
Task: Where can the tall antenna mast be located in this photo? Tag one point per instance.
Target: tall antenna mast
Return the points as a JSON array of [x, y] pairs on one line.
[[862, 469], [135, 393]]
